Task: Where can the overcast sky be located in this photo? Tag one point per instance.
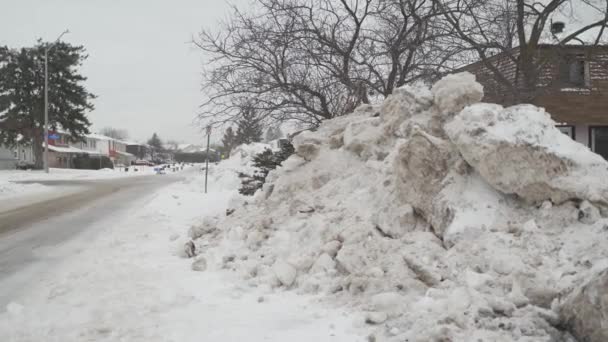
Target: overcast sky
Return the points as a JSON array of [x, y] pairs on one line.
[[141, 66]]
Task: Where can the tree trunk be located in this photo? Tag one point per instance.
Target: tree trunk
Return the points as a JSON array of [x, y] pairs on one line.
[[37, 147]]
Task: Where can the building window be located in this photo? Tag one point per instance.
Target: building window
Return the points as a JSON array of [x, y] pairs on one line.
[[567, 130], [598, 140], [573, 71]]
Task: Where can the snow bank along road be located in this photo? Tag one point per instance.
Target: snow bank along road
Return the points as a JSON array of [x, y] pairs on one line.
[[121, 278], [30, 224]]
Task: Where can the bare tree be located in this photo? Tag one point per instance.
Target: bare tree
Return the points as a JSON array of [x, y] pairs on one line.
[[505, 35], [311, 60], [116, 133]]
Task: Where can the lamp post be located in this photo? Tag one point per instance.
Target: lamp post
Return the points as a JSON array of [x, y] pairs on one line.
[[207, 156], [46, 101]]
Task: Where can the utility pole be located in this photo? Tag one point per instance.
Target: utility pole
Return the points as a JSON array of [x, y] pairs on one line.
[[46, 101], [207, 156]]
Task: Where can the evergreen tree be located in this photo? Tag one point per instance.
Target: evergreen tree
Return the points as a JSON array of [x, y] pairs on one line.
[[155, 142], [264, 163], [229, 141], [22, 94], [249, 127], [157, 145]]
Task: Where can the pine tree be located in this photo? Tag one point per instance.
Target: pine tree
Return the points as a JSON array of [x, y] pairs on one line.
[[229, 140], [264, 163], [22, 94], [155, 142], [157, 145], [249, 127]]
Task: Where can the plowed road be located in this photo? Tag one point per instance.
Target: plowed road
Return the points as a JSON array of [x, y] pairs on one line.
[[42, 222]]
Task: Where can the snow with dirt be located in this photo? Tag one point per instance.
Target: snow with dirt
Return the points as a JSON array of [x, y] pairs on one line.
[[436, 217]]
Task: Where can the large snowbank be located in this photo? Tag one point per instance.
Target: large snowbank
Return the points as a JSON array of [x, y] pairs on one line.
[[406, 212]]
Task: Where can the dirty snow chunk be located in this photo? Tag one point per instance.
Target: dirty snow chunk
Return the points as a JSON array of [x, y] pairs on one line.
[[396, 221], [423, 165], [189, 249], [332, 248], [361, 137], [588, 213], [477, 280], [351, 259], [323, 264], [402, 104], [387, 301], [427, 275], [530, 226], [285, 273], [585, 312], [519, 151], [200, 264], [376, 317], [206, 227], [454, 92]]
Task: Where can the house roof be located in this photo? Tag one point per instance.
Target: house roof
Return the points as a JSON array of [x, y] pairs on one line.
[[99, 136], [126, 154], [67, 149]]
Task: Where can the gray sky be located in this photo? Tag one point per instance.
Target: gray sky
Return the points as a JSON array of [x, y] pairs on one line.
[[141, 66]]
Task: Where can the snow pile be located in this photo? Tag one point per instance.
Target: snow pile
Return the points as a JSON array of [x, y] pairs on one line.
[[10, 189], [241, 157], [542, 162], [404, 212]]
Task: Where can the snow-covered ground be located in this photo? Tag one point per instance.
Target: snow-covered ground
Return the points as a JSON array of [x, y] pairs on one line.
[[60, 174], [127, 281], [10, 188]]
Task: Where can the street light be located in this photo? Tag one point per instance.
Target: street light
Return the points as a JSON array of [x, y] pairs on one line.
[[46, 100], [207, 156]]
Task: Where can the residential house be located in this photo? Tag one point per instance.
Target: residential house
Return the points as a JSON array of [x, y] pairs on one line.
[[119, 154], [61, 154], [7, 158], [571, 84], [112, 148], [140, 151], [92, 144], [24, 154]]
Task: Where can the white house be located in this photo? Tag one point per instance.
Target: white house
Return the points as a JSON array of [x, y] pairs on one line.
[[120, 155]]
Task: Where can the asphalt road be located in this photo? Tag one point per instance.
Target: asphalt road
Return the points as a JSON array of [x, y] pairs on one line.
[[40, 225]]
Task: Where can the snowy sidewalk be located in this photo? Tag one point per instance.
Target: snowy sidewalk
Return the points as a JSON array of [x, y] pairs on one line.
[[125, 282]]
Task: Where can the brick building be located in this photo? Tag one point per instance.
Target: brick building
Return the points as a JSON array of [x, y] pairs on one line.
[[571, 84]]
